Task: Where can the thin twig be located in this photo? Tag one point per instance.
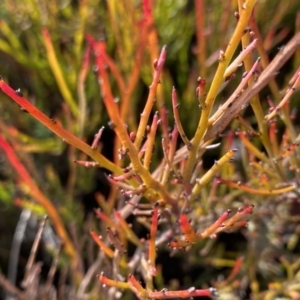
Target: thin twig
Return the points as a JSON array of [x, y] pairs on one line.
[[52, 271], [150, 147], [175, 105], [90, 274], [8, 286], [34, 249], [266, 76]]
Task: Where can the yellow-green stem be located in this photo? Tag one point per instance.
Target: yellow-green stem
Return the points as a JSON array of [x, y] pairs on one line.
[[216, 83]]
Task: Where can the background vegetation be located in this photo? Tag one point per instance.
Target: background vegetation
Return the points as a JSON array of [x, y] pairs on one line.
[[57, 53]]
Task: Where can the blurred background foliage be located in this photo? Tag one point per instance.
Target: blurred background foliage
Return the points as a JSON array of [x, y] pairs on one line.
[[49, 76]]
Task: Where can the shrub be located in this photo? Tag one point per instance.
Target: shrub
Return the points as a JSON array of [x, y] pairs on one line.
[[160, 169]]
